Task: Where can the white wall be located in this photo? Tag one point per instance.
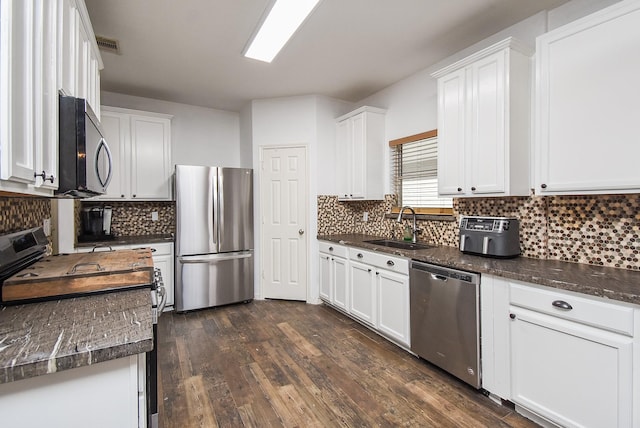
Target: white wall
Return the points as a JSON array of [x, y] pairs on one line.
[[199, 135]]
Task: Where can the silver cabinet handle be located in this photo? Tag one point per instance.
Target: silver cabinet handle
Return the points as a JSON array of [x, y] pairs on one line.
[[562, 305], [301, 232]]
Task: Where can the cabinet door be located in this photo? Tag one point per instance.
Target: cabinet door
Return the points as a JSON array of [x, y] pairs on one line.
[[67, 36], [340, 282], [451, 133], [325, 277], [343, 154], [17, 121], [393, 305], [83, 49], [150, 158], [487, 125], [362, 302], [569, 373], [116, 130], [47, 146], [358, 156], [587, 128]]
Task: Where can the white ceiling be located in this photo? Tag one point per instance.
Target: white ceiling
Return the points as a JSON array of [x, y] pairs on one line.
[[190, 51]]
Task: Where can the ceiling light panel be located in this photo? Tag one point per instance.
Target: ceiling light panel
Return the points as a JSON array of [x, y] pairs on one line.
[[283, 20]]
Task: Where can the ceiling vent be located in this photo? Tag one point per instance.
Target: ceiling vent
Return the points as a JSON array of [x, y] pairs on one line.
[[109, 45]]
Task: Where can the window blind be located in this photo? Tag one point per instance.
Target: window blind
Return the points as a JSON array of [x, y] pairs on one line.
[[415, 174]]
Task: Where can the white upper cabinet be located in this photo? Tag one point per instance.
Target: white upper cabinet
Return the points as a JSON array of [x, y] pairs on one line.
[[483, 123], [39, 46], [360, 154], [79, 61], [140, 145], [588, 109]]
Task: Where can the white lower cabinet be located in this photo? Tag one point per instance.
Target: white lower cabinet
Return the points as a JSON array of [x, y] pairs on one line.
[[569, 373], [107, 394], [563, 358], [371, 287], [393, 305], [333, 275], [362, 302]]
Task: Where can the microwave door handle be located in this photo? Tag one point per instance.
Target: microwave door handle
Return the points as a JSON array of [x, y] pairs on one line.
[[103, 145]]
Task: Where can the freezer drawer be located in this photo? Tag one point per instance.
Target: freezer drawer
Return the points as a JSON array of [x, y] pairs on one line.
[[213, 280]]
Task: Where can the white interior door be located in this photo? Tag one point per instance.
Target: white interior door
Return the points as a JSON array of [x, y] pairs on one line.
[[283, 188]]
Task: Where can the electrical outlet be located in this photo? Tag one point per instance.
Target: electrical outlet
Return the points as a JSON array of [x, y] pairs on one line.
[[46, 226], [365, 216], [154, 216]]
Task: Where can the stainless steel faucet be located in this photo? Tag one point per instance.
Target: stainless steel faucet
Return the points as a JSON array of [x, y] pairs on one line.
[[414, 228]]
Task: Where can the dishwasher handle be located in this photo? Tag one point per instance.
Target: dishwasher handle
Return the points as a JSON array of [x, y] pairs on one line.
[[438, 277]]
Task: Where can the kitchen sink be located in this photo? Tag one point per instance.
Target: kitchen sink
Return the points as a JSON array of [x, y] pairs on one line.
[[403, 245]]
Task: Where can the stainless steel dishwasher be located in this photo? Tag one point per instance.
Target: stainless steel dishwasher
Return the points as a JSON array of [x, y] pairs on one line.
[[445, 319]]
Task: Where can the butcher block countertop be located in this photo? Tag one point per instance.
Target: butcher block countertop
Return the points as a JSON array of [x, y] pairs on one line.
[[46, 337], [615, 284]]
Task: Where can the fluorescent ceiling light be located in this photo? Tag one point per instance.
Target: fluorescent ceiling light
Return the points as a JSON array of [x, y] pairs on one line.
[[283, 20]]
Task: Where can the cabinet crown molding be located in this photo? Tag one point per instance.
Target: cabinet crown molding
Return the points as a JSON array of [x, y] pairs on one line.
[[134, 112], [509, 42], [367, 109]]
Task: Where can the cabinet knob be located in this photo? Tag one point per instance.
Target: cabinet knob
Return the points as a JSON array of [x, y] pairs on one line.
[[133, 196], [459, 189], [473, 189], [361, 256], [368, 270], [390, 263], [43, 174], [330, 248], [122, 196], [512, 316], [544, 186]]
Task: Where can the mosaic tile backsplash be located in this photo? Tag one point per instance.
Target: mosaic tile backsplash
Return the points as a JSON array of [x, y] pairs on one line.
[[22, 213], [134, 218], [601, 229]]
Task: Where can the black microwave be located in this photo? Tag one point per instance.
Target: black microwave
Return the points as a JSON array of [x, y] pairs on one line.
[[85, 165]]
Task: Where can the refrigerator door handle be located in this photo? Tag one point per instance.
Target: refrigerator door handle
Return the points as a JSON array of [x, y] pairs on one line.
[[214, 208], [212, 258]]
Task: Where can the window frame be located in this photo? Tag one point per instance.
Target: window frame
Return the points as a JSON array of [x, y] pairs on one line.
[[411, 139]]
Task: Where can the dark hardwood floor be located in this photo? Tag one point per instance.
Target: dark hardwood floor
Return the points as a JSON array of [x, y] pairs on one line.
[[279, 363]]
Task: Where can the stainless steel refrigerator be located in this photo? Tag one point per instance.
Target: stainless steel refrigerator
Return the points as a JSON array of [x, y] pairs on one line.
[[214, 236]]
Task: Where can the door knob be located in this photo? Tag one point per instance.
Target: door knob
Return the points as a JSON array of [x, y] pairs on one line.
[[301, 232]]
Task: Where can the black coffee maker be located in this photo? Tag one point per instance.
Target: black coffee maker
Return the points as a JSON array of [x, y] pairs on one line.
[[96, 222]]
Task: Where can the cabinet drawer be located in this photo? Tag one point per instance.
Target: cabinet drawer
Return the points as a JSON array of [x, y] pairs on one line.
[[161, 249], [596, 313], [332, 248], [380, 260]]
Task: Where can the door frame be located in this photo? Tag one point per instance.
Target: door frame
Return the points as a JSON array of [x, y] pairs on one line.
[[258, 222]]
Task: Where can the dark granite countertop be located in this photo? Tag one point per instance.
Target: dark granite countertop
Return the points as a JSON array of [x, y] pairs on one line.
[[46, 337], [615, 284], [128, 240]]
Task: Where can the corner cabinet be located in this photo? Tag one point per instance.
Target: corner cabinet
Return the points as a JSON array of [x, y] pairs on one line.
[[40, 54], [140, 145], [483, 123], [587, 114], [562, 357], [360, 154]]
